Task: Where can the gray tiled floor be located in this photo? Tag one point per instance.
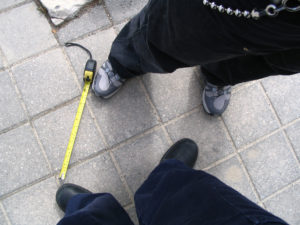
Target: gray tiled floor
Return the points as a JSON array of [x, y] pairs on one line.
[[25, 34], [253, 147], [93, 19], [33, 205], [286, 204], [43, 85], [145, 152], [13, 112], [293, 133], [183, 82], [203, 129], [127, 114], [122, 9], [21, 159], [271, 160], [3, 220], [1, 61], [52, 129], [232, 173], [285, 96], [249, 116], [9, 3]]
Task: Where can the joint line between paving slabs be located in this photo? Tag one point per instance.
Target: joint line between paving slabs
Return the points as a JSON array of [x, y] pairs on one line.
[[281, 190], [26, 186], [15, 6], [220, 161], [2, 57], [33, 56], [155, 111], [107, 13], [244, 147], [73, 72], [122, 177], [93, 32], [278, 119], [5, 214], [39, 115], [29, 120], [241, 161]]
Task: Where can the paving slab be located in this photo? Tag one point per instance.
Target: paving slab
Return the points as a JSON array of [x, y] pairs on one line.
[[207, 132], [132, 214], [2, 219], [231, 173], [126, 114], [146, 153], [249, 116], [35, 205], [174, 94], [99, 44], [293, 133], [94, 18], [271, 165], [124, 9], [45, 81], [54, 131], [99, 175], [21, 160], [9, 3], [286, 204], [284, 93], [25, 34], [11, 111]]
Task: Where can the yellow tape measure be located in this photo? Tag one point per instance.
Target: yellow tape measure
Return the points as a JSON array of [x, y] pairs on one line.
[[69, 150], [89, 72]]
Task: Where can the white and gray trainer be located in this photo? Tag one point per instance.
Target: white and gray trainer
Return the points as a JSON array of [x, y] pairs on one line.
[[106, 82], [216, 99]]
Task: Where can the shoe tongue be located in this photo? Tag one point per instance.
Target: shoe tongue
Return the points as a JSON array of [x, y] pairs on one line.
[[104, 84]]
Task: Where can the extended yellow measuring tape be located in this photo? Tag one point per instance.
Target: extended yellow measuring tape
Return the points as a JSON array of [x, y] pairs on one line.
[[89, 72]]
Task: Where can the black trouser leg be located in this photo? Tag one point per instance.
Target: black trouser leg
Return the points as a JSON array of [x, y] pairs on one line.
[[176, 194], [247, 68], [171, 34]]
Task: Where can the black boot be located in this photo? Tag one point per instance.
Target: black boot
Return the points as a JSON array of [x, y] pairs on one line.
[[184, 150], [66, 192]]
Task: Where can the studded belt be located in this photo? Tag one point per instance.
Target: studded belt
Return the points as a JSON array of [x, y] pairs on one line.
[[271, 10]]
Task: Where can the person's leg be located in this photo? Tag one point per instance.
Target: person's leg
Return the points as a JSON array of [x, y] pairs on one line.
[[174, 193], [221, 75], [171, 34], [85, 208]]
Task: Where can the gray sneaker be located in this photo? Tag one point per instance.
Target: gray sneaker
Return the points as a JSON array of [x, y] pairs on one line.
[[106, 82], [215, 99]]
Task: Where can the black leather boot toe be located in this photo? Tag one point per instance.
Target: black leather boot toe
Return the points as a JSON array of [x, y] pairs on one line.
[[66, 192], [184, 150]]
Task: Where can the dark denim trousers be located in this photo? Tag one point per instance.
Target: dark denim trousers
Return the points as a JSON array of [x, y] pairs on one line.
[[171, 34], [173, 194]]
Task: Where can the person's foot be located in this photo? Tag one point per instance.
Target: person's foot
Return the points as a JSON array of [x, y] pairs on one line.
[[215, 99], [184, 150], [66, 192], [106, 82]]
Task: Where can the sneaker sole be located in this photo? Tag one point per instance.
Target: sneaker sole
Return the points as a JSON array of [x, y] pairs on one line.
[[110, 95], [106, 96]]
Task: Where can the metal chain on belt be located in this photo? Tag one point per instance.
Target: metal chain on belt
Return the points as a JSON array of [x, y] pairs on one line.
[[271, 10]]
